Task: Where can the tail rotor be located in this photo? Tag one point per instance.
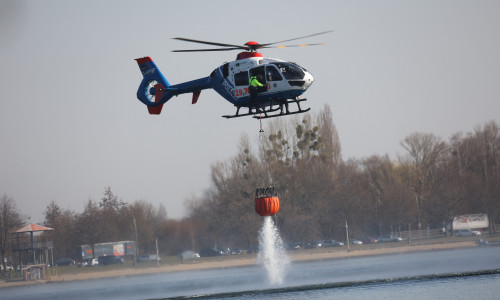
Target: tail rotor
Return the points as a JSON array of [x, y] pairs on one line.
[[152, 88]]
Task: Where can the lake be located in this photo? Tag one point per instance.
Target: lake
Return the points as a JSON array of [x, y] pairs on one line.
[[447, 274]]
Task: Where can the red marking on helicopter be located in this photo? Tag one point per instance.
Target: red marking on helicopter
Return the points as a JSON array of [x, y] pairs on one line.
[[241, 92], [196, 95], [156, 110], [143, 60], [244, 55]]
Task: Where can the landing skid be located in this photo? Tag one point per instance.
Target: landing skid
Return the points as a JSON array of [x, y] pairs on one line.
[[269, 111], [282, 114]]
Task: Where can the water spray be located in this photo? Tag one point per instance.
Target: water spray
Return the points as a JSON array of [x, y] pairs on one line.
[[272, 251]]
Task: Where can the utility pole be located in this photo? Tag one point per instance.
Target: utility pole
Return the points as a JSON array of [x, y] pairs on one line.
[[136, 239], [347, 235], [157, 253]]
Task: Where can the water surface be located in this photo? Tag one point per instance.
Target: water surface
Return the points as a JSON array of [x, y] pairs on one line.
[[450, 274]]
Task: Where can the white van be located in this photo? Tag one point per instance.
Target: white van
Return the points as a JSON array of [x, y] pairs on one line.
[[467, 232]]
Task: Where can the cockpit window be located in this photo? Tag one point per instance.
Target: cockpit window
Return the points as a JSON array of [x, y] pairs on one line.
[[272, 74], [290, 71]]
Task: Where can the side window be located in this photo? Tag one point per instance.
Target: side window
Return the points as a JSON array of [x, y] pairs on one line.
[[225, 70], [272, 74], [259, 72], [241, 78]]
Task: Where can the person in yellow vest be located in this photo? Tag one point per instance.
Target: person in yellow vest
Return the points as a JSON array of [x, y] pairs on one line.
[[255, 83]]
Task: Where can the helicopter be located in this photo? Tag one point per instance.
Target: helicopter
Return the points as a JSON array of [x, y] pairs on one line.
[[282, 82]]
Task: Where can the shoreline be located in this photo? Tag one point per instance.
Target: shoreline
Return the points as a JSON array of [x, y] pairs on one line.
[[230, 262]]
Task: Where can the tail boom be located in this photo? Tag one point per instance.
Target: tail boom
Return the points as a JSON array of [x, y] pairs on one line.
[[155, 90]]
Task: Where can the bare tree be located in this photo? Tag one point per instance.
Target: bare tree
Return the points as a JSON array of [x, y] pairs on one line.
[[449, 195], [9, 220], [488, 141], [350, 199], [110, 207], [147, 223], [391, 200], [425, 152], [90, 225], [329, 136], [63, 221]]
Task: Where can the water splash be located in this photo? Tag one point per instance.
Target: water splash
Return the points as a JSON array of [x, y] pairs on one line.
[[272, 252]]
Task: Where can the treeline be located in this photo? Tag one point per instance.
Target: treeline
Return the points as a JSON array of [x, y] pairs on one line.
[[319, 192], [106, 220], [111, 220]]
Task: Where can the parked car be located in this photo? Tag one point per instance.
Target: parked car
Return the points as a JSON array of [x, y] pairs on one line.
[[208, 252], [389, 238], [110, 260], [356, 242], [231, 251], [64, 262], [148, 257], [189, 256], [327, 243], [369, 240], [332, 243], [8, 267], [90, 262], [234, 251], [294, 246], [320, 244], [467, 232], [310, 245]]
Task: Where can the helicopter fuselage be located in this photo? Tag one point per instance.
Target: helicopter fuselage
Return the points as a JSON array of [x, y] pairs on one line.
[[281, 81]]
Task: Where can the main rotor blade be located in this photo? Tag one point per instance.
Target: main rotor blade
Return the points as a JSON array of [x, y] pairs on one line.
[[203, 50], [211, 43], [289, 46], [302, 37]]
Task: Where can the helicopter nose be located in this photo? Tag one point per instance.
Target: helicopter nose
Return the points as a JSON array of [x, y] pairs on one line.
[[308, 80]]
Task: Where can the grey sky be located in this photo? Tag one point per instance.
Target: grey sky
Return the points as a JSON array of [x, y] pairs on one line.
[[70, 124]]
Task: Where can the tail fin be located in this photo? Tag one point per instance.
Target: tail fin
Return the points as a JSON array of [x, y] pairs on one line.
[[153, 88]]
